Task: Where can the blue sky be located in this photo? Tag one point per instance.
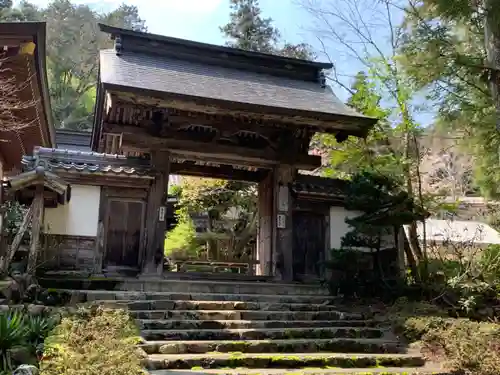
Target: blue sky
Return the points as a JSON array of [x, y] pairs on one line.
[[199, 19]]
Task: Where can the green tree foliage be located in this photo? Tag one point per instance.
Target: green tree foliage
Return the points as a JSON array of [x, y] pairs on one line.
[[215, 198], [445, 52], [249, 30], [384, 206], [374, 153], [181, 241], [73, 44]]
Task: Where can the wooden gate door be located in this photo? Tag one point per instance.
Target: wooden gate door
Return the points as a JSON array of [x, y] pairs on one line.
[[308, 245], [124, 233]]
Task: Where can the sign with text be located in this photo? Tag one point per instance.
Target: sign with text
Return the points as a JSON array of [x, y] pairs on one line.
[[162, 213], [281, 224]]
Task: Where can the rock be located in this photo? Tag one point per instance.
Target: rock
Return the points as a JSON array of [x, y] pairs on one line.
[[171, 349], [22, 355], [141, 353], [486, 312], [26, 370], [36, 309]]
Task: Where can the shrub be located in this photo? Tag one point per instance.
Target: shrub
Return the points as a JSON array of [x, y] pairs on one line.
[[93, 341], [181, 241], [38, 328], [415, 328], [20, 337], [12, 337], [468, 347]]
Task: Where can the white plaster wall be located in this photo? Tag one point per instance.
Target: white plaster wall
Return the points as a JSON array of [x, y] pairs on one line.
[[78, 217], [338, 228]]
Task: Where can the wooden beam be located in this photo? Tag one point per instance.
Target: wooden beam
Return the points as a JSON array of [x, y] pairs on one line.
[[176, 119], [106, 179], [283, 223], [14, 40], [139, 139], [265, 228], [155, 229], [223, 172], [318, 121], [35, 230]]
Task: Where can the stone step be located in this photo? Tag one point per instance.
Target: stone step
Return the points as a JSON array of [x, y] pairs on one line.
[[97, 295], [262, 334], [427, 370], [224, 305], [244, 315], [183, 286], [283, 361], [246, 324], [274, 346]]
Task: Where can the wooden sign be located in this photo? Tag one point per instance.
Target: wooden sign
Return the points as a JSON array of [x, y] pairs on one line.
[[162, 213], [281, 221]]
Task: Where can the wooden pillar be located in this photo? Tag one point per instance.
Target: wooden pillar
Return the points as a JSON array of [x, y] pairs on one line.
[[35, 229], [156, 221], [265, 234], [282, 254]]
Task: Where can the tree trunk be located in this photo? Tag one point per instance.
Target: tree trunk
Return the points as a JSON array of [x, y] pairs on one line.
[[414, 247], [492, 46], [212, 248]]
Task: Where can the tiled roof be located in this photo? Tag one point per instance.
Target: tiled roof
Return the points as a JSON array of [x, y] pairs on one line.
[[37, 176], [73, 140], [170, 75], [86, 162], [320, 186]]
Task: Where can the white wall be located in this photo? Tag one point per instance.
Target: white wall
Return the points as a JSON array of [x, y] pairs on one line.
[[339, 228], [78, 217]]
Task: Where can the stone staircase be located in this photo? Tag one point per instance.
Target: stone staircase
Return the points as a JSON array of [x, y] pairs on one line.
[[210, 327]]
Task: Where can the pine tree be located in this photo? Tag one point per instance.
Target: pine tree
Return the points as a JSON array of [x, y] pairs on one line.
[[248, 29]]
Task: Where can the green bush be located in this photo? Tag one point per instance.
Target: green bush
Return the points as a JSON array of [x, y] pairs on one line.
[[468, 347], [182, 240], [20, 338], [93, 341], [13, 331]]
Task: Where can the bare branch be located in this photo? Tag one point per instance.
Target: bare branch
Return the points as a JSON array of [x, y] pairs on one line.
[[12, 107]]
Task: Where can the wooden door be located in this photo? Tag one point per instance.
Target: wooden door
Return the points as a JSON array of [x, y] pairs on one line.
[[124, 233], [308, 245]]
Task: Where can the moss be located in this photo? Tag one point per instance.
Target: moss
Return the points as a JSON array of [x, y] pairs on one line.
[[80, 339], [294, 362]]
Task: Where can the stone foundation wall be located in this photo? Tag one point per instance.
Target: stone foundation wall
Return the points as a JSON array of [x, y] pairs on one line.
[[64, 253]]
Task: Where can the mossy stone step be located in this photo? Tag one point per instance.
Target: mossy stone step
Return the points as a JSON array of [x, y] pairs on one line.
[[308, 371], [273, 346], [287, 361], [246, 324], [223, 305], [262, 334], [244, 315], [99, 295], [182, 286]]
